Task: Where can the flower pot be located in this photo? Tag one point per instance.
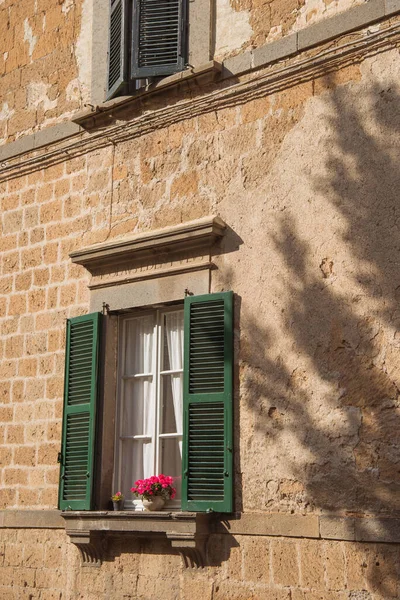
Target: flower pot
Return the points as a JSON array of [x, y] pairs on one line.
[[156, 503], [118, 505]]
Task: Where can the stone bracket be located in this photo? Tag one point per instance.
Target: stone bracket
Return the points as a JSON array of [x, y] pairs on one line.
[[91, 546], [192, 549]]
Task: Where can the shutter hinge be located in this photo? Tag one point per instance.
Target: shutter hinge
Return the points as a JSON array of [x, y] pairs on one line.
[[59, 457]]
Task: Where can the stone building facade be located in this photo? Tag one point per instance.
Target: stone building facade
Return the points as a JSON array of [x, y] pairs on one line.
[[269, 168]]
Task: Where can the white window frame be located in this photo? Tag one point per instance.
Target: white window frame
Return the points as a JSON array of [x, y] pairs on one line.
[[157, 374]]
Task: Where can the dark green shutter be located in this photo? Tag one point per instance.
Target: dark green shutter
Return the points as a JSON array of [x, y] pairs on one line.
[[158, 40], [207, 482], [80, 393], [117, 47]]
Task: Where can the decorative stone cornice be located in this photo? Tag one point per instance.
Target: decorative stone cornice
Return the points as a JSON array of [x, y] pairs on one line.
[[197, 236]]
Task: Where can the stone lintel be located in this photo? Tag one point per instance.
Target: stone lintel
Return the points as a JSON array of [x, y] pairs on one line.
[[179, 238]]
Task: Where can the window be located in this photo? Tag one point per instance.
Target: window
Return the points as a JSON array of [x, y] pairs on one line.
[[153, 431], [149, 405], [147, 39]]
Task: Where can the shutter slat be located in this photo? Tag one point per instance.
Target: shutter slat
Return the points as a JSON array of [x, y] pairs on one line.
[[207, 458], [158, 41], [81, 362]]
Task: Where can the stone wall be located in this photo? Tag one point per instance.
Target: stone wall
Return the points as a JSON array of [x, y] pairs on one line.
[[302, 165], [40, 565], [307, 185], [39, 72], [50, 56]]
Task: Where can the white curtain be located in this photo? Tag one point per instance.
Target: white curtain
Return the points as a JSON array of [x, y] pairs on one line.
[[174, 333], [139, 401]]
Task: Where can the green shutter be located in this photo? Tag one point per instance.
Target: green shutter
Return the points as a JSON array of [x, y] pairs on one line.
[[207, 481], [117, 47], [80, 393], [158, 40]]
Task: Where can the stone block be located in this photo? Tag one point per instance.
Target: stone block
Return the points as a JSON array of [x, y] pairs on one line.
[[285, 562], [377, 530], [354, 18], [312, 565], [392, 7], [337, 528], [255, 553], [196, 588], [273, 524], [237, 64], [335, 565], [58, 132], [24, 144], [274, 51]]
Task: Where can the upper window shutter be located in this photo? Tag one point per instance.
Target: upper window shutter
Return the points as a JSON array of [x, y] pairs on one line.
[[117, 47], [207, 481], [79, 417], [158, 39]]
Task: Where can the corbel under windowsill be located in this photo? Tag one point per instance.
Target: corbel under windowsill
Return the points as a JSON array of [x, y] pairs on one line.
[[186, 531]]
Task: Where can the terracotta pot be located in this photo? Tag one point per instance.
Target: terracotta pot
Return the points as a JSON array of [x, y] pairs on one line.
[[118, 505], [156, 503]]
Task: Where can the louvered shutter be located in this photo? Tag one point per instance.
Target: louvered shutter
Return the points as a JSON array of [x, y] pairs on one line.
[[80, 392], [207, 482], [117, 47], [159, 35]]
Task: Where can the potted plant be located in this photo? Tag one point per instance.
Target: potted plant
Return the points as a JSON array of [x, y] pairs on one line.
[[118, 501], [154, 491]]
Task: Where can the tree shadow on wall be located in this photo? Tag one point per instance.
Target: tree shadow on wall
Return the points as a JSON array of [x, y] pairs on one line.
[[340, 405]]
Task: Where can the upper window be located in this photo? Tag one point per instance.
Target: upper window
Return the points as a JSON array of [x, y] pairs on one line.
[[147, 39], [149, 400]]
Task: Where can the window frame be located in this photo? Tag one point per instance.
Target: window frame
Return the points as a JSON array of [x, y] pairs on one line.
[[207, 453], [159, 332]]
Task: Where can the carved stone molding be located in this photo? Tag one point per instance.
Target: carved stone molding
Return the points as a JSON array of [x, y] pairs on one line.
[[152, 267], [150, 250]]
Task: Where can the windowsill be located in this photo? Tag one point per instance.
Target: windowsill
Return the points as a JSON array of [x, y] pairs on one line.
[[186, 531], [103, 113]]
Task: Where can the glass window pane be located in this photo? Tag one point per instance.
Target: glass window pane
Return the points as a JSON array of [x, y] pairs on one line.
[[173, 341], [171, 421], [136, 463], [139, 341], [171, 463], [138, 406]]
